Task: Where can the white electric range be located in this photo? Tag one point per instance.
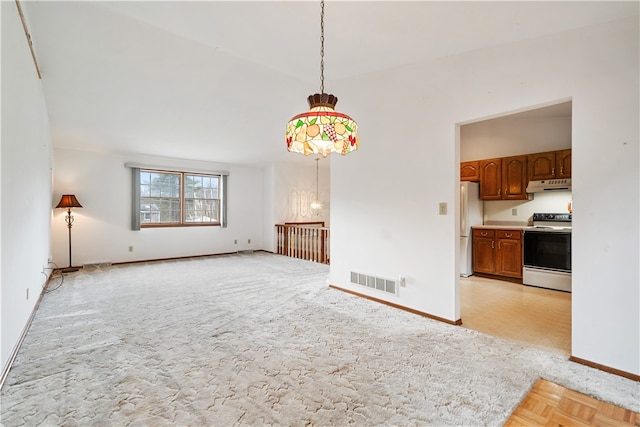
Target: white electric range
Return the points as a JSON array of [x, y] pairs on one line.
[[547, 252]]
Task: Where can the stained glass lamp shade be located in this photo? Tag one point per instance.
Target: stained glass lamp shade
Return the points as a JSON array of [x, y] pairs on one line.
[[322, 130]]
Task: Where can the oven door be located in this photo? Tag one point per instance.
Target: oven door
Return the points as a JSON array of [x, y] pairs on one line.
[[547, 250]]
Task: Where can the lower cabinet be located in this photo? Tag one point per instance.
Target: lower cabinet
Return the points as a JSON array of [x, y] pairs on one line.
[[497, 252]]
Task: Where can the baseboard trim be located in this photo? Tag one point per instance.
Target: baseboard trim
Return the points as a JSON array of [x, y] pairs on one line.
[[605, 368], [496, 277], [27, 326], [178, 258], [398, 306]]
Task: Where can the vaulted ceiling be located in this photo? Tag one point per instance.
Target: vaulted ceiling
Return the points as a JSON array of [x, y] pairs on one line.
[[218, 80]]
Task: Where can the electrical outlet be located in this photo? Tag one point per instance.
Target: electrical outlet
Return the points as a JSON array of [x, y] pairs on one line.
[[249, 241], [235, 242], [27, 293], [514, 211], [403, 281], [442, 208], [130, 248]]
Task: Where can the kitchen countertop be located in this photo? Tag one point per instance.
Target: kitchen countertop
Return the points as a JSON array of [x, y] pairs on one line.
[[500, 227]]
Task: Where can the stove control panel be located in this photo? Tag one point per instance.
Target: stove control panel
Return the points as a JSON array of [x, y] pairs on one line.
[[556, 217]]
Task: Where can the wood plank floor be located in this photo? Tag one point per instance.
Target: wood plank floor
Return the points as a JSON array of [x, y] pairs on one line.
[[549, 404], [541, 318], [525, 314]]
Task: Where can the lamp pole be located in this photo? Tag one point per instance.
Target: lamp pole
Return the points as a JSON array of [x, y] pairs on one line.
[[69, 201], [69, 220]]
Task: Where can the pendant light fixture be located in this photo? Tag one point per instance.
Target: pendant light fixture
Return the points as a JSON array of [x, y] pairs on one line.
[[322, 130], [316, 205]]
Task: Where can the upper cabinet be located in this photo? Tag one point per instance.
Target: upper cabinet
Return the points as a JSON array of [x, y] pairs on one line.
[[550, 165], [514, 178], [491, 179], [470, 171], [504, 178], [563, 163]]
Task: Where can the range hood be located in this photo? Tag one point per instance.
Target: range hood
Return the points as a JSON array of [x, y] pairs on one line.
[[549, 185]]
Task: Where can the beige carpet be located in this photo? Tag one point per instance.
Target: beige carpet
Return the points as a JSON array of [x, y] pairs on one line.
[[260, 339]]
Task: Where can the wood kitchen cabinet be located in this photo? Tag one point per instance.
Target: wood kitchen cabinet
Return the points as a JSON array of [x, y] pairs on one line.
[[484, 257], [563, 163], [514, 178], [491, 179], [497, 252], [470, 171], [509, 253], [504, 178], [550, 165]]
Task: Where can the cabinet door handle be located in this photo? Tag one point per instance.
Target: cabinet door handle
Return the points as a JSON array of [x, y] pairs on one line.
[[508, 234], [562, 171], [492, 242], [483, 234], [499, 245], [553, 171], [499, 191]]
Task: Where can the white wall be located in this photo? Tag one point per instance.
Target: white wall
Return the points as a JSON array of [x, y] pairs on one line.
[[295, 189], [102, 228], [26, 184], [513, 135], [501, 210], [291, 187], [385, 197]]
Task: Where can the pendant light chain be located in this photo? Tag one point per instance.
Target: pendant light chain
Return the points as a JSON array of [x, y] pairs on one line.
[[322, 46]]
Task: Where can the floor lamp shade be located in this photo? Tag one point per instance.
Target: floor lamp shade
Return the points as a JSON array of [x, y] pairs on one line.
[[68, 201]]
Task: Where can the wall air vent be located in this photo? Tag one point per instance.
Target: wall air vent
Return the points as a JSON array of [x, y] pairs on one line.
[[377, 283]]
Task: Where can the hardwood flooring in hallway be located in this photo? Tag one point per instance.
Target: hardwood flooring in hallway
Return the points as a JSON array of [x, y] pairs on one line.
[[525, 314], [550, 404]]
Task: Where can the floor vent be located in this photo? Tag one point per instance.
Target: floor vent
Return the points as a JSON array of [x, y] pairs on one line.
[[93, 265], [378, 283]]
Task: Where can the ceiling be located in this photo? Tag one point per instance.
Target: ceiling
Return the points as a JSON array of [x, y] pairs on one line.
[[218, 80]]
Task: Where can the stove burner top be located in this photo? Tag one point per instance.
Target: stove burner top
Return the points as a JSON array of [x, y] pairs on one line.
[[551, 222], [556, 217]]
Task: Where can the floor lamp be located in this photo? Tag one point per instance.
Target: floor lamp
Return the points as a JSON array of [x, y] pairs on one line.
[[67, 202]]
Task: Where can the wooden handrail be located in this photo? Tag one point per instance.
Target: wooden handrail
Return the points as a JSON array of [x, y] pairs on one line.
[[308, 241]]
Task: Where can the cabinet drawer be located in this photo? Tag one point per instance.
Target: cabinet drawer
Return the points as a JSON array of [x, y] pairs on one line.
[[509, 234], [484, 233]]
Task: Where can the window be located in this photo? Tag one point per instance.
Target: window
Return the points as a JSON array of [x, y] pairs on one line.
[[179, 198]]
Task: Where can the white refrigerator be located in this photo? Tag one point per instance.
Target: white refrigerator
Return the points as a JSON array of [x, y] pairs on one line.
[[470, 214]]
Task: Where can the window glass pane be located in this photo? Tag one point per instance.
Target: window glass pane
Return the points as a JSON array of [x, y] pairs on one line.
[[145, 177], [188, 187], [161, 200], [159, 196]]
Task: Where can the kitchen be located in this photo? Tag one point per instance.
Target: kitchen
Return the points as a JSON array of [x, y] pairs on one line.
[[517, 227]]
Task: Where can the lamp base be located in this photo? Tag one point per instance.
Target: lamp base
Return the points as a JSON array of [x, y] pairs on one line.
[[69, 269]]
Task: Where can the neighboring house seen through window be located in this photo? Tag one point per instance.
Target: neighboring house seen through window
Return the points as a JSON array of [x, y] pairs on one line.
[[179, 198]]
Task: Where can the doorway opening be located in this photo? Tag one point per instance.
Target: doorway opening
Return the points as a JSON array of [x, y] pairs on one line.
[[525, 314]]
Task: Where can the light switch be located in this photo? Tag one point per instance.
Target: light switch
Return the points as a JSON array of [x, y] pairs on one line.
[[442, 209]]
